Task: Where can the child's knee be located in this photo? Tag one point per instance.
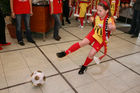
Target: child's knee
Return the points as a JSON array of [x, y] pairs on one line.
[[92, 53]]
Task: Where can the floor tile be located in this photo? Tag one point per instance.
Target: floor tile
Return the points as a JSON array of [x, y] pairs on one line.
[[65, 37], [37, 61], [113, 84], [14, 66], [128, 38], [116, 47], [63, 64], [131, 61], [133, 90], [4, 91], [25, 88], [84, 83], [129, 77], [81, 33], [3, 82], [105, 69], [56, 84]]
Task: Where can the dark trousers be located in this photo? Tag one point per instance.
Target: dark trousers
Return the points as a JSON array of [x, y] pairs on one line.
[[135, 27], [27, 27], [66, 9], [57, 24], [2, 30]]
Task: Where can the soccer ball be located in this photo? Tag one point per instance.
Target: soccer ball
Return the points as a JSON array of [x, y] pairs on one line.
[[38, 78]]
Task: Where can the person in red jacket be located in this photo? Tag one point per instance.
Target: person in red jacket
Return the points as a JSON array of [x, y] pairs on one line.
[[19, 9], [55, 10]]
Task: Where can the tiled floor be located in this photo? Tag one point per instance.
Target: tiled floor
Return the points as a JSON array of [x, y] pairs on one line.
[[119, 71]]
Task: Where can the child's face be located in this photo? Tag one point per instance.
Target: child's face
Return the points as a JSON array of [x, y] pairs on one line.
[[101, 11]]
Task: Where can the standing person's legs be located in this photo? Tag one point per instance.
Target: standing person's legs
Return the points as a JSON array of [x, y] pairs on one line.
[[137, 29], [27, 27], [2, 31], [18, 29], [67, 14], [133, 24], [57, 25]]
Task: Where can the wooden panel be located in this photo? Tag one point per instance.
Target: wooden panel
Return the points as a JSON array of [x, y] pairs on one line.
[[41, 21]]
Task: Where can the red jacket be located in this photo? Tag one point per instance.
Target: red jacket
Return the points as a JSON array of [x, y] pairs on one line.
[[57, 6], [21, 7]]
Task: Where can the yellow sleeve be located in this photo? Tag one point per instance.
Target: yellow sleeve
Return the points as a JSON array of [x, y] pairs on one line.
[[111, 20]]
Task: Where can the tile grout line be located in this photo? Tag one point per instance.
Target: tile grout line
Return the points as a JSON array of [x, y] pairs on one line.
[[115, 59], [4, 72], [127, 40], [58, 70], [35, 46]]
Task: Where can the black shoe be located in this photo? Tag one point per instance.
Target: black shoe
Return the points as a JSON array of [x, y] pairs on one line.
[[63, 22], [61, 54], [83, 68], [21, 43], [128, 32], [68, 21], [134, 36], [57, 38], [31, 41]]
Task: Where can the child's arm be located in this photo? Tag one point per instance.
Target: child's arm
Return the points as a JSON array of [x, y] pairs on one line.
[[31, 12], [111, 25], [12, 10]]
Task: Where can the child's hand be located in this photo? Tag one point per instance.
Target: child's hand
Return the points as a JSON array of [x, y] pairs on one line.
[[91, 19], [13, 15], [110, 27], [31, 13]]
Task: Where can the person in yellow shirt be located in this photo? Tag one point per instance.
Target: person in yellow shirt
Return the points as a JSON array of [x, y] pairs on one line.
[[104, 23], [83, 4], [114, 7]]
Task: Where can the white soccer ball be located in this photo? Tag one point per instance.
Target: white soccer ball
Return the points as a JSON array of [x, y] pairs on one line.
[[38, 78]]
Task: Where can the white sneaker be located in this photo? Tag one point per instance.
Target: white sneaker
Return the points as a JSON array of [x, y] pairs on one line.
[[115, 17], [84, 21], [88, 21], [81, 27], [76, 15], [94, 10], [88, 14], [97, 60]]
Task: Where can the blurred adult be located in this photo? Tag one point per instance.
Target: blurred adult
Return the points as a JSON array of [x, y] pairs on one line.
[[2, 31], [19, 9], [135, 27], [66, 10], [56, 10]]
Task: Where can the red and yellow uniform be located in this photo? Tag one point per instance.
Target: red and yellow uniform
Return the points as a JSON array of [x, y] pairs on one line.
[[19, 7], [96, 35], [115, 4], [96, 2], [83, 7], [76, 12]]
